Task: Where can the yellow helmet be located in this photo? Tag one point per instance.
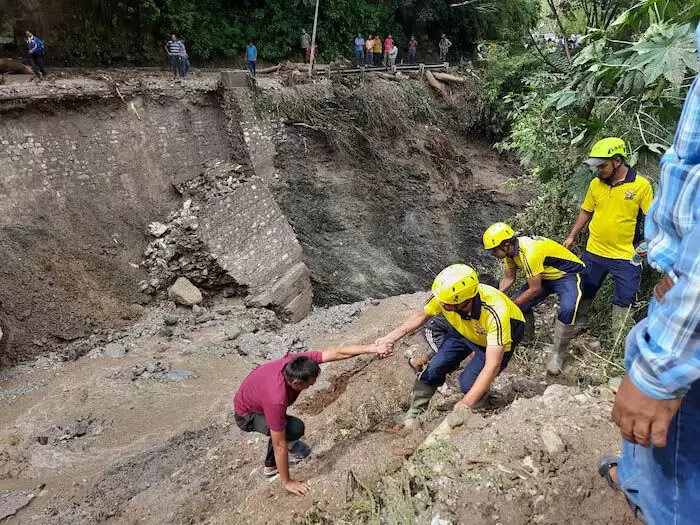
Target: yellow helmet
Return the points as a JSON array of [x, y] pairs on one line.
[[496, 234], [455, 284], [605, 149]]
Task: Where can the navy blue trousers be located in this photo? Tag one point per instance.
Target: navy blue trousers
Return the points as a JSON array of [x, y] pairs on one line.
[[567, 287], [625, 275], [454, 349]]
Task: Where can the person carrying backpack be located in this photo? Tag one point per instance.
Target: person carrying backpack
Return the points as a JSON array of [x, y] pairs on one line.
[[37, 50]]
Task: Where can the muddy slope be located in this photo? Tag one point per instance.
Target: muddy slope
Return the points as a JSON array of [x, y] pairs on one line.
[[377, 231], [161, 447]]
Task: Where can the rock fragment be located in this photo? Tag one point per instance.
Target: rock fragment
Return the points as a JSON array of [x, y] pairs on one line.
[[234, 330], [552, 442], [12, 501], [184, 292], [157, 229]]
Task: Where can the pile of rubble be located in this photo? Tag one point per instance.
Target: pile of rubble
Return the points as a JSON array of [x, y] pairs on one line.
[[177, 249]]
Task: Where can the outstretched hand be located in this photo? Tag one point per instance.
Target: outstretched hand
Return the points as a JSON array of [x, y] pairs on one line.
[[384, 349], [384, 341]]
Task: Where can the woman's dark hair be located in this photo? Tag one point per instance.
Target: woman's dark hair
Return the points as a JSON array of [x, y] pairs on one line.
[[301, 368]]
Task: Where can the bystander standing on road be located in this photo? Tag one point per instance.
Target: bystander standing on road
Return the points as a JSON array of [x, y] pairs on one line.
[[251, 53], [311, 50], [305, 43], [657, 406], [176, 51], [369, 51], [392, 56], [377, 50], [360, 49], [444, 45], [185, 59], [412, 50], [37, 51], [388, 44]]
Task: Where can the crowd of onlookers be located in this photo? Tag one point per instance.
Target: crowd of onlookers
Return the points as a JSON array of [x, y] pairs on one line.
[[375, 51], [371, 51]]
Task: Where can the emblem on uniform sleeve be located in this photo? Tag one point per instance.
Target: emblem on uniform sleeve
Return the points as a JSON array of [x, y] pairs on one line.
[[629, 195], [479, 329]]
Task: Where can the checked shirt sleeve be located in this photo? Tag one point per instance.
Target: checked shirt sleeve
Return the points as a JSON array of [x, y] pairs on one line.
[[663, 351]]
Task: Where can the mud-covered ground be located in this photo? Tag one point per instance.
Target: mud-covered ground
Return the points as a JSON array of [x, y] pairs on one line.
[[139, 430]]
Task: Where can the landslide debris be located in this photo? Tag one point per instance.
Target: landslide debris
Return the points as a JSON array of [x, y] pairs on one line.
[[177, 248]]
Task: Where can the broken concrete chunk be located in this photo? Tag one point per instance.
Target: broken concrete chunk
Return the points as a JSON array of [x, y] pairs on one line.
[[157, 229], [184, 292], [552, 442]]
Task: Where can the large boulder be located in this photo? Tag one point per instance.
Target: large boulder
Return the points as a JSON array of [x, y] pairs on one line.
[[184, 292]]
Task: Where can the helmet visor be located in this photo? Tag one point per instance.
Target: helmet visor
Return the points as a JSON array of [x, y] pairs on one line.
[[595, 161]]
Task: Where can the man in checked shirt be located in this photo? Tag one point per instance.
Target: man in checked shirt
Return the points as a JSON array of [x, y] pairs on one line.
[[657, 406]]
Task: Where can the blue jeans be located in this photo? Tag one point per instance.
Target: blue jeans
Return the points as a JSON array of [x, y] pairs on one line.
[[625, 274], [665, 482], [251, 66], [567, 287], [360, 57], [454, 349]]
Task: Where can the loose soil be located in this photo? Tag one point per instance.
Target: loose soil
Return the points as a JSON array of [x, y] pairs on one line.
[[166, 451]]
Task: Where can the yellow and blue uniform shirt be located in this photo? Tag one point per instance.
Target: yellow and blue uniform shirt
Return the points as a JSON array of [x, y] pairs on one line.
[[490, 322], [617, 213], [542, 256]]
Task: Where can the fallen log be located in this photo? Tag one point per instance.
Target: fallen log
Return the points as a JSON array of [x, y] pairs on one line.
[[446, 77], [387, 76], [435, 84], [266, 70]]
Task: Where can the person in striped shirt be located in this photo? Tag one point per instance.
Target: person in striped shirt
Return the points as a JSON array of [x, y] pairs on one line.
[[657, 406], [176, 51]]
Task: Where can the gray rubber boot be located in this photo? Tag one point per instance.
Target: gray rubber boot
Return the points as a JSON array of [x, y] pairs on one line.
[[621, 319], [529, 334], [420, 399], [562, 337], [583, 318]]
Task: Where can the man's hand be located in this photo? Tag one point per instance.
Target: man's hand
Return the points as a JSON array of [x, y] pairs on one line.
[[462, 404], [384, 350], [298, 488], [568, 242], [642, 252], [385, 342], [642, 419]]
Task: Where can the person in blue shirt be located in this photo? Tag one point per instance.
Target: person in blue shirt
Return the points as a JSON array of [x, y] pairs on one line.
[[252, 55], [360, 50], [37, 50], [657, 406]]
